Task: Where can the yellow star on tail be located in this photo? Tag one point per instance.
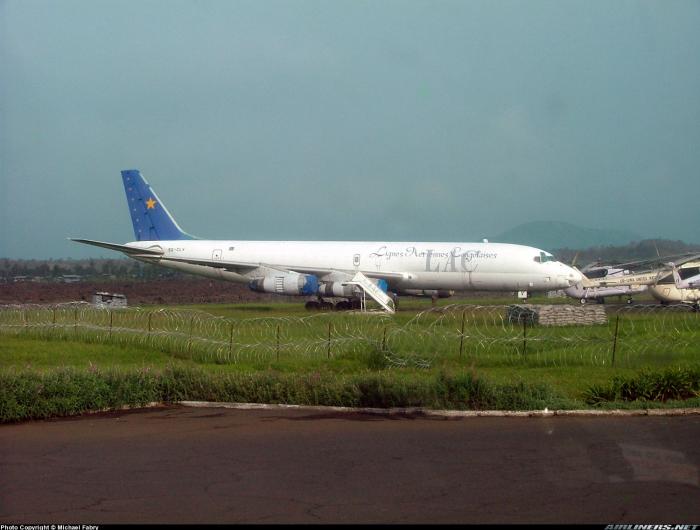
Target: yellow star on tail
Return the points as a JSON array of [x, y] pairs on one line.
[[150, 203]]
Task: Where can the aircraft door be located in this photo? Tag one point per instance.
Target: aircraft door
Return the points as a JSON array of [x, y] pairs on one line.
[[216, 254], [356, 261]]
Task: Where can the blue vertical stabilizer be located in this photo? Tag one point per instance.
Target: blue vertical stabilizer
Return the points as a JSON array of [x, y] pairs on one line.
[[151, 219]]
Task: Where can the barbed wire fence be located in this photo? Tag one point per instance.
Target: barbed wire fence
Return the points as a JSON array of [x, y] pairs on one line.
[[484, 335]]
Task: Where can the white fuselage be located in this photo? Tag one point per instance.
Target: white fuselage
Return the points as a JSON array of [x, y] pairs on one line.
[[668, 292], [583, 293], [405, 265]]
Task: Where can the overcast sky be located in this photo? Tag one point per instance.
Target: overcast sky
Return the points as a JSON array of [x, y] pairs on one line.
[[371, 120]]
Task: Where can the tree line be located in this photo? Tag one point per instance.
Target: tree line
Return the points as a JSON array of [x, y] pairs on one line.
[[87, 269], [634, 251]]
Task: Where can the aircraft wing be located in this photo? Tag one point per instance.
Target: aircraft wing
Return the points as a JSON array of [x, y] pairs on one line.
[[379, 275], [242, 267]]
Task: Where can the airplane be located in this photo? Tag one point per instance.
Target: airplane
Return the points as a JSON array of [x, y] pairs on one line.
[[349, 270], [670, 282], [682, 285], [598, 293]]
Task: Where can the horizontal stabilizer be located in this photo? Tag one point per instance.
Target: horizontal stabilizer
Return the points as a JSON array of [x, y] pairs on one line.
[[131, 251]]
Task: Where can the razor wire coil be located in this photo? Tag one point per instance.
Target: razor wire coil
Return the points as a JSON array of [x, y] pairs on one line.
[[474, 333]]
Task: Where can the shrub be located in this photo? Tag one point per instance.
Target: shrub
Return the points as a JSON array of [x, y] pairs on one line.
[[671, 384]]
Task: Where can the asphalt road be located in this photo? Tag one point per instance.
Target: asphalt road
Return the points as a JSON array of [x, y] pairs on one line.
[[181, 465]]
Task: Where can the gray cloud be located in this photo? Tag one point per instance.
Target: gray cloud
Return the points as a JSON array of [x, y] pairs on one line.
[[437, 120]]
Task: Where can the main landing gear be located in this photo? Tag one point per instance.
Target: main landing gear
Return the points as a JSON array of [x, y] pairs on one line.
[[323, 305]]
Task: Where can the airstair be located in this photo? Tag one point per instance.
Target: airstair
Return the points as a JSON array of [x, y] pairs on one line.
[[372, 289]]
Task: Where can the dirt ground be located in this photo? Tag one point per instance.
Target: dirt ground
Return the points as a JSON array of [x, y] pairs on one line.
[[194, 291]]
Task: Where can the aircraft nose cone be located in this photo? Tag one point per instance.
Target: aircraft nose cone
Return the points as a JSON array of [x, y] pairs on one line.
[[569, 276], [573, 276]]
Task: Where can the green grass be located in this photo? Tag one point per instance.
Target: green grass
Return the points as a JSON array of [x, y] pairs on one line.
[[379, 360], [672, 383], [23, 353], [66, 391]]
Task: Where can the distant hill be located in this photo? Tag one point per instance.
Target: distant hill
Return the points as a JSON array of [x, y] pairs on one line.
[[551, 235]]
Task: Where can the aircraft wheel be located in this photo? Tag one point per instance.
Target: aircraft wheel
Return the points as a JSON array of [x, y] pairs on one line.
[[342, 306], [355, 304], [629, 301], [325, 306], [582, 300], [312, 305]]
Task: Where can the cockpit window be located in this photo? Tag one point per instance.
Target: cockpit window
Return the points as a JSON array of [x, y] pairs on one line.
[[666, 280], [596, 273], [544, 257], [688, 272]]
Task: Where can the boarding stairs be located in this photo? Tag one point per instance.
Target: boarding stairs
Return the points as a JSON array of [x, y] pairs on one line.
[[372, 289]]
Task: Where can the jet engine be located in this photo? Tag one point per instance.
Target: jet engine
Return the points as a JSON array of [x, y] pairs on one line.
[[330, 289], [343, 290], [290, 283]]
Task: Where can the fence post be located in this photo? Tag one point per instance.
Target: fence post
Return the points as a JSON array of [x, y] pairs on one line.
[[75, 320], [230, 342], [111, 317], [53, 321], [189, 340], [278, 342], [617, 325], [329, 340], [524, 335], [461, 337]]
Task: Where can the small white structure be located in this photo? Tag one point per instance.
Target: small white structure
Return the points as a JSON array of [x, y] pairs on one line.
[[108, 300]]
